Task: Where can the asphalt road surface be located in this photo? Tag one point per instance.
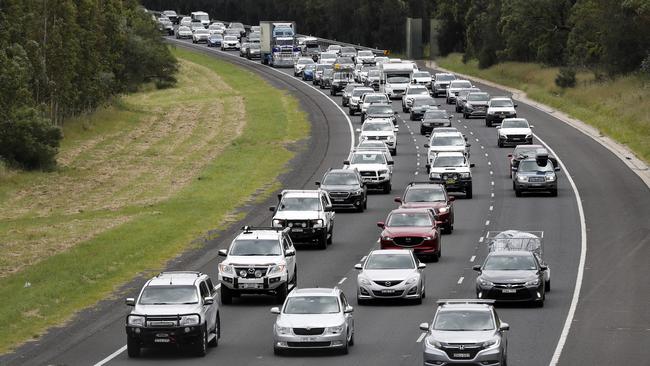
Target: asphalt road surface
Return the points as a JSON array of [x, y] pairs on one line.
[[611, 323]]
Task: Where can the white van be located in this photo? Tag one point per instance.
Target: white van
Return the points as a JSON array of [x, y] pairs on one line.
[[201, 16]]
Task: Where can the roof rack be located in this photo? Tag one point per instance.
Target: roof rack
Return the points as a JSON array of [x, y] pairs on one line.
[[464, 301], [249, 229], [197, 273], [420, 182]]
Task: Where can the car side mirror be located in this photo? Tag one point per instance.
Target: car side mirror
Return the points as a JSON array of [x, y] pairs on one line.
[[557, 168], [439, 223], [346, 162], [395, 113], [381, 224], [532, 126], [504, 327], [396, 129], [391, 162], [208, 300], [348, 309], [422, 266], [358, 130], [358, 266], [452, 198], [477, 268], [317, 184], [398, 199], [275, 310], [543, 267], [329, 208], [272, 208], [449, 117], [130, 301], [468, 145], [509, 155], [471, 165], [426, 145], [290, 253], [223, 252], [516, 105], [498, 127], [424, 326]]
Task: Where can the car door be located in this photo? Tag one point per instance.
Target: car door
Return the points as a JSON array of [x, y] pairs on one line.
[[210, 311], [287, 246], [349, 319], [325, 198]]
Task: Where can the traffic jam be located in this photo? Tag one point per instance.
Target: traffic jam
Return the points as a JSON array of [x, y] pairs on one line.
[[184, 308]]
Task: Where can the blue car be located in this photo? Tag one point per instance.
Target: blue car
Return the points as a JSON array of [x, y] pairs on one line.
[[215, 40], [308, 72]]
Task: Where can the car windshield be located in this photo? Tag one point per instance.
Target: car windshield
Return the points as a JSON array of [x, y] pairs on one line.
[[305, 61], [284, 42], [368, 159], [418, 91], [340, 179], [311, 45], [460, 84], [230, 38], [424, 195], [236, 26], [449, 161], [344, 60], [360, 91], [514, 123], [525, 151], [533, 166], [501, 103], [445, 77], [365, 53], [377, 127], [374, 98], [424, 101], [201, 31], [464, 320], [312, 305], [300, 204], [380, 109], [348, 50], [510, 263], [201, 17], [309, 67], [169, 295], [256, 46], [247, 247], [421, 74], [435, 114], [169, 13], [328, 55], [448, 141], [401, 219], [183, 28], [390, 261], [373, 73], [370, 143], [397, 79], [478, 97], [216, 36]]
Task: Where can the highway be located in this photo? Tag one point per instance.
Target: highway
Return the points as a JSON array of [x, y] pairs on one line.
[[611, 324]]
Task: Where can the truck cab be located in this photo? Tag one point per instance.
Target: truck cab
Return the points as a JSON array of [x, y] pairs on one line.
[[395, 77], [278, 44]]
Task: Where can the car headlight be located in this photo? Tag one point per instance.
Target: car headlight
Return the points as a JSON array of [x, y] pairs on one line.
[[534, 282], [391, 138], [189, 320], [278, 223], [522, 178], [443, 209], [427, 238], [277, 269], [382, 172], [433, 343], [491, 343], [529, 136], [434, 175], [357, 193], [412, 280], [465, 175], [550, 177], [469, 106], [335, 330], [318, 223], [364, 281], [226, 269], [387, 238], [135, 320], [485, 282], [282, 330]]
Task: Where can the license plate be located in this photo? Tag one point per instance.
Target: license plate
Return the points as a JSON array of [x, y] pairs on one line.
[[509, 291], [451, 181], [161, 340], [338, 200], [308, 339], [297, 230], [248, 285], [387, 291], [461, 355]]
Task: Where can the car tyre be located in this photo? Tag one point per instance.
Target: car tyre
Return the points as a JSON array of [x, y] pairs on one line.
[[350, 112], [517, 192], [281, 293], [499, 143], [554, 192], [547, 286], [468, 192], [202, 347], [465, 115], [387, 187], [133, 347], [214, 343], [330, 235], [226, 295], [351, 342], [411, 117], [278, 351], [322, 241]]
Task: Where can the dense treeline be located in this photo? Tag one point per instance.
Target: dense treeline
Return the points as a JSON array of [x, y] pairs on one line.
[[608, 36], [60, 58]]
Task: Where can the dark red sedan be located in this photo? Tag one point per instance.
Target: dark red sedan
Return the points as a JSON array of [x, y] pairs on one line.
[[412, 228], [433, 196]]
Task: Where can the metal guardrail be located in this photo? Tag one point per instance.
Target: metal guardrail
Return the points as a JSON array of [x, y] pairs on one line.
[[323, 42]]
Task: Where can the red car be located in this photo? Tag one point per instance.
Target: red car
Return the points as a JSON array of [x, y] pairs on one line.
[[432, 196], [412, 228]]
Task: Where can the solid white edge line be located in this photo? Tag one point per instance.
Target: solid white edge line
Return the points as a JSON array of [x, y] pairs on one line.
[[421, 337], [581, 264], [111, 356], [342, 280]]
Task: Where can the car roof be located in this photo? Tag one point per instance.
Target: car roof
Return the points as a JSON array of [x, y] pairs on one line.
[[410, 210], [255, 234], [500, 98], [511, 253], [447, 134], [449, 153], [177, 278], [455, 307], [391, 251], [314, 291], [301, 193], [515, 119]]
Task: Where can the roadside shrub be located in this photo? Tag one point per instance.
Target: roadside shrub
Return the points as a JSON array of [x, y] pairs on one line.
[[28, 140], [566, 78]]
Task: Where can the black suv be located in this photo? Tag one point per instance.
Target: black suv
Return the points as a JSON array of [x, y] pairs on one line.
[[346, 189]]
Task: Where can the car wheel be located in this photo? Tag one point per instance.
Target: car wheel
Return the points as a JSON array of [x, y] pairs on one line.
[[365, 203], [517, 192], [330, 236], [226, 295], [436, 257], [449, 228], [554, 192], [404, 110], [387, 187], [277, 351], [217, 333], [281, 293], [132, 347], [351, 342], [547, 286], [488, 123], [499, 143], [345, 349], [411, 117], [202, 347], [540, 303], [394, 152], [465, 115], [351, 112], [295, 277], [468, 192], [322, 241]]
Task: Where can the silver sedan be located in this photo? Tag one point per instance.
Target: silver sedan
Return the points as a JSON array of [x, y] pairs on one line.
[[391, 273], [314, 318]]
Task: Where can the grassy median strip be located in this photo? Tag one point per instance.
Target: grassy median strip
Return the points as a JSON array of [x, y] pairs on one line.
[[618, 108], [135, 187]]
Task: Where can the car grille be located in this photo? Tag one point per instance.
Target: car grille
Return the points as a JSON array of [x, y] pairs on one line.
[[450, 176], [297, 223], [516, 137], [308, 344], [536, 179], [308, 331], [408, 241], [462, 351], [162, 321], [339, 194], [388, 283], [379, 293], [251, 272], [381, 138], [456, 93], [398, 91], [368, 173]]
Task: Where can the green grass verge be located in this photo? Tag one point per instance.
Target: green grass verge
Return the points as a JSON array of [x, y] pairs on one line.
[[90, 271], [618, 108]]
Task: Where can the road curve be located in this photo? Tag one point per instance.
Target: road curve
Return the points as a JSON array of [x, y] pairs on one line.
[[616, 207]]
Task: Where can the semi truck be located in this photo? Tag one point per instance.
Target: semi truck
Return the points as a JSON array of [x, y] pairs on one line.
[[277, 43]]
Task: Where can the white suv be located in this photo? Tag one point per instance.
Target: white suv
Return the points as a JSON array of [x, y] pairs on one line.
[[498, 109], [446, 141], [411, 92], [452, 169], [455, 86], [375, 167], [308, 214], [261, 260], [514, 131], [380, 129]]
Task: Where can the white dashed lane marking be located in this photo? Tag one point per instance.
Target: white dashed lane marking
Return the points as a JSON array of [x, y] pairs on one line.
[[487, 222], [421, 337], [472, 258], [460, 280]]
